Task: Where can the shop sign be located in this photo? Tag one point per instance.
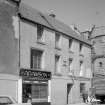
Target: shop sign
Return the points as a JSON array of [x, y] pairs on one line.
[[35, 75]]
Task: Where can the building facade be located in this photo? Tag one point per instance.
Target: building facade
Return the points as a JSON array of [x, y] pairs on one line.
[[98, 39], [42, 57]]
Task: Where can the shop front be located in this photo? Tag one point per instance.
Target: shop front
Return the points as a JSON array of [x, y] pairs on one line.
[[35, 86]]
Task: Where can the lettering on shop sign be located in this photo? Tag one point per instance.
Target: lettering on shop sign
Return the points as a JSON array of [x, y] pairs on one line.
[[35, 75]]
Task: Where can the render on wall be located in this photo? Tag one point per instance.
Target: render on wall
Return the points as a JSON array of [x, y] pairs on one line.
[[8, 41]]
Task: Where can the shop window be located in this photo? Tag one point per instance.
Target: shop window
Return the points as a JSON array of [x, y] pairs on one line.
[[57, 63], [37, 91], [40, 35], [36, 59], [57, 41]]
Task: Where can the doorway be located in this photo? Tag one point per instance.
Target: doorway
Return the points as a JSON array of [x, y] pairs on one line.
[[26, 92], [69, 86]]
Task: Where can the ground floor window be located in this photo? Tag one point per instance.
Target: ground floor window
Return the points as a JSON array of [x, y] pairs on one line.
[[36, 91]]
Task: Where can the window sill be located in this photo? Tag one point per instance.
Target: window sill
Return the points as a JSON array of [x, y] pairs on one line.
[[58, 48], [70, 74], [58, 74], [39, 100], [81, 55], [39, 69], [40, 42], [70, 51]]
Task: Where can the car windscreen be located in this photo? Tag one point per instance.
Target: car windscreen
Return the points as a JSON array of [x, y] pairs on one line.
[[5, 100]]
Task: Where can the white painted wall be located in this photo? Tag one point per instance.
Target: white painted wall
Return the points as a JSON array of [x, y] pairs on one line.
[[9, 86]]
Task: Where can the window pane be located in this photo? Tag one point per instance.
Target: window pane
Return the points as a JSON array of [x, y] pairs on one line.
[[70, 61], [57, 40], [5, 100], [43, 91], [82, 87], [39, 91], [56, 63], [35, 91], [36, 59], [39, 32], [70, 43]]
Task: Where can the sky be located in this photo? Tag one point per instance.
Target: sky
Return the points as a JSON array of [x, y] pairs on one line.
[[82, 13]]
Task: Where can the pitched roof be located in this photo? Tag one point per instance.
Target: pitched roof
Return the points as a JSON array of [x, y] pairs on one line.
[[98, 31], [36, 16]]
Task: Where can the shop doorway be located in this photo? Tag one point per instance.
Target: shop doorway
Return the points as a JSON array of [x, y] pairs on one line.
[[26, 92]]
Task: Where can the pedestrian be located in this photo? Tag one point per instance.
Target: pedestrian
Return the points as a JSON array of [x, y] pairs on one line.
[[29, 100]]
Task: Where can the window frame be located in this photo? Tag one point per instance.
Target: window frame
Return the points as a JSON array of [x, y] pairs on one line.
[[40, 35], [80, 47], [38, 63], [58, 40], [70, 62], [70, 43], [57, 64]]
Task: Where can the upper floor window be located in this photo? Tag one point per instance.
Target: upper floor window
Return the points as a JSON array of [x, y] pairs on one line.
[[36, 59], [70, 62], [100, 64], [57, 40], [81, 68], [40, 35], [70, 43], [80, 47], [57, 63], [82, 88]]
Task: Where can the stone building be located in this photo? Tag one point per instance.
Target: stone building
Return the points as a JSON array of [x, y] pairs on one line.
[[98, 40], [41, 56]]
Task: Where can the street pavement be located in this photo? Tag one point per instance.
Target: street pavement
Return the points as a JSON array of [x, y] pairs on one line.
[[81, 104]]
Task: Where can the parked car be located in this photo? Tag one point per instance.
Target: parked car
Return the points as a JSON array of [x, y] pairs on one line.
[[8, 100]]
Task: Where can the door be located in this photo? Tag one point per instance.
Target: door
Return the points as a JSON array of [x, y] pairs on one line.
[[69, 86]]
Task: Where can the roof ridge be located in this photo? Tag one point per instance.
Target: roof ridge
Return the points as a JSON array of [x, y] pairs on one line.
[[38, 17]]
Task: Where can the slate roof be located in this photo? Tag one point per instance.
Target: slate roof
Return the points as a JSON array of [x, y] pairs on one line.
[[36, 16], [98, 31]]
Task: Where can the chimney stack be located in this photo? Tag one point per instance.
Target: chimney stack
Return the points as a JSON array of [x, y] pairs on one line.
[[52, 15]]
